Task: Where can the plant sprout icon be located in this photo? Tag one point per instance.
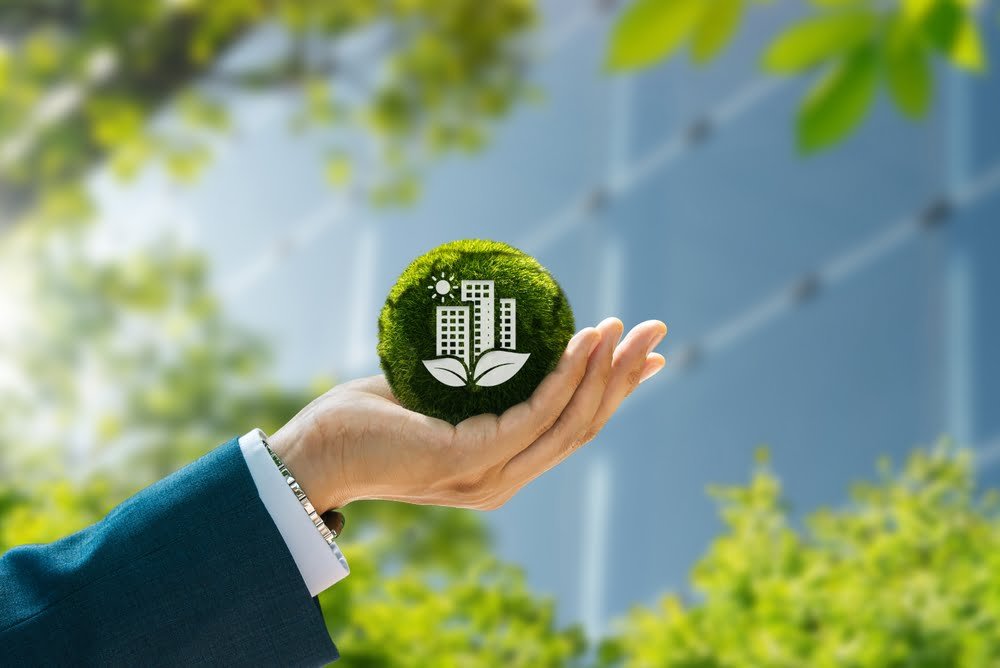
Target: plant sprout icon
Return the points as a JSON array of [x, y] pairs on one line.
[[490, 365]]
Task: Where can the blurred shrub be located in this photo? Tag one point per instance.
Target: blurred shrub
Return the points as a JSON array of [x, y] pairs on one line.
[[908, 574], [481, 617], [855, 45]]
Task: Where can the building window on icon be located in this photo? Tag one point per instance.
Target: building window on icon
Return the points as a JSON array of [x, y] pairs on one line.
[[508, 335]]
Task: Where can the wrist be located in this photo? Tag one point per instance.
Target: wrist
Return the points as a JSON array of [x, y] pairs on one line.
[[316, 465]]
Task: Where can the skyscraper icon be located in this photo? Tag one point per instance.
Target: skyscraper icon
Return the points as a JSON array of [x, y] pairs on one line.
[[453, 332], [480, 293], [481, 364], [508, 324]]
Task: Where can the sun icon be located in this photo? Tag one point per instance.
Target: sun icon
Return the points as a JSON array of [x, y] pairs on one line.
[[442, 286]]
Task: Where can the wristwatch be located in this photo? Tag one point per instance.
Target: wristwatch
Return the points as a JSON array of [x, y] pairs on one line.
[[331, 523]]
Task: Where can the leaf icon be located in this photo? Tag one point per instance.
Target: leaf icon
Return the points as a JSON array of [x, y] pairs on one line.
[[497, 366], [448, 370]]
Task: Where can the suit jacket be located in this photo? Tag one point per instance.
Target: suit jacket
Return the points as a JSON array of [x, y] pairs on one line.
[[191, 570]]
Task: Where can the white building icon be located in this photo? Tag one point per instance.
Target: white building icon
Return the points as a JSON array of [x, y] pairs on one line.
[[508, 324], [453, 332], [480, 293], [454, 324]]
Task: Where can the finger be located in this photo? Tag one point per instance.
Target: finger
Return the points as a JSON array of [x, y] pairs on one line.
[[567, 432], [522, 423], [627, 369], [654, 364]]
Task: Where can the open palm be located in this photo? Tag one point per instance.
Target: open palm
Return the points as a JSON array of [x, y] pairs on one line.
[[357, 442]]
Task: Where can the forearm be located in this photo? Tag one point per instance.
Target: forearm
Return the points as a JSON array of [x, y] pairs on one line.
[[190, 565]]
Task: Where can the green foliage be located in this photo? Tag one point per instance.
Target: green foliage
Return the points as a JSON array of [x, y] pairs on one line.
[[839, 101], [407, 327], [715, 28], [856, 45], [819, 40], [908, 72], [651, 30], [906, 575], [950, 27], [482, 616], [416, 78]]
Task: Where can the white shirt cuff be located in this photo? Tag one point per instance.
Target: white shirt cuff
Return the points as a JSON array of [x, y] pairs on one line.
[[320, 564]]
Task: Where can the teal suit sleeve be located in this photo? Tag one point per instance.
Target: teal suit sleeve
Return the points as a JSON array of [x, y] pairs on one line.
[[191, 570]]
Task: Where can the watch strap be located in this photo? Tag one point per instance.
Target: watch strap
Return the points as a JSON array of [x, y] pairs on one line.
[[329, 524]]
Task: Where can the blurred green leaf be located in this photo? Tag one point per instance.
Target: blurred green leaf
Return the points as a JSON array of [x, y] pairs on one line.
[[186, 163], [650, 30], [967, 47], [908, 72], [115, 120], [42, 52], [401, 190], [203, 113], [916, 10], [817, 40], [715, 28], [838, 102], [953, 31], [338, 170]]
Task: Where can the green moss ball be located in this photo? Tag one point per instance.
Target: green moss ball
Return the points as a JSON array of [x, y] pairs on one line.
[[471, 327]]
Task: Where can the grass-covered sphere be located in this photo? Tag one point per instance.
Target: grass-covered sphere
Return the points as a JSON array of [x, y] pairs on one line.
[[471, 327]]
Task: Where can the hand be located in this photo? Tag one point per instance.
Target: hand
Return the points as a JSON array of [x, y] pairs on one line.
[[356, 441]]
